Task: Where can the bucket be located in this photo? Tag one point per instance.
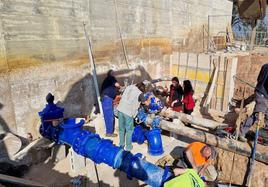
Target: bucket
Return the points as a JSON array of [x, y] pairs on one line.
[[155, 147]]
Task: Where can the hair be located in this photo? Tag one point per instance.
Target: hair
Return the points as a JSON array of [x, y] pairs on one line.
[[109, 73], [175, 79], [187, 87], [213, 151], [50, 98], [141, 86]]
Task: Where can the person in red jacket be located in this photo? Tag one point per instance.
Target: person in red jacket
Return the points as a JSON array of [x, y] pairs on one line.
[[188, 100]]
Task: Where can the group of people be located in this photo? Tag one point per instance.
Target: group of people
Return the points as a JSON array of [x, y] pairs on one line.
[[179, 98], [131, 99], [196, 157]]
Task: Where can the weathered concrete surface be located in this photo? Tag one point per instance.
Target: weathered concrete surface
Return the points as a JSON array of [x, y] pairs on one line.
[[42, 48]]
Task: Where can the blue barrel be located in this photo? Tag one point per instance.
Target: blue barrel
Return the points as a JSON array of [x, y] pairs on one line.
[[138, 135], [155, 147]]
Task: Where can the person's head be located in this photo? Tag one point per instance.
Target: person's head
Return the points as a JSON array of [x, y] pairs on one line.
[[141, 86], [175, 81], [50, 98], [110, 72], [209, 152], [187, 86]]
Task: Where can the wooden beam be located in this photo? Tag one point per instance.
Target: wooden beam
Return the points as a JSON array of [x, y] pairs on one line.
[[198, 121], [212, 86], [231, 145]]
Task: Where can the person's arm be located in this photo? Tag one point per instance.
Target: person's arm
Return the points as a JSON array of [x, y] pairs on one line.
[[117, 85], [202, 170], [115, 82], [190, 157], [185, 99], [173, 103], [179, 171]]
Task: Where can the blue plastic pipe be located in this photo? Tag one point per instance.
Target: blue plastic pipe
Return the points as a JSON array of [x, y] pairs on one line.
[[99, 150]]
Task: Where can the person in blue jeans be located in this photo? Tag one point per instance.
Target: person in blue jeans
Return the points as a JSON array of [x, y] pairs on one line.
[[108, 93], [127, 110]]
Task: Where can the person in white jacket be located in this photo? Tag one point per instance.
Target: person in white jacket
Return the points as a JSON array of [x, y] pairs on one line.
[[127, 110]]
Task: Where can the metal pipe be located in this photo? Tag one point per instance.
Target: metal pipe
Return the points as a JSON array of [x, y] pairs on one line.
[[99, 150]]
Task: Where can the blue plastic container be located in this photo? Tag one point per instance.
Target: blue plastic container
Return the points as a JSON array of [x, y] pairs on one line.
[[138, 135], [155, 147]]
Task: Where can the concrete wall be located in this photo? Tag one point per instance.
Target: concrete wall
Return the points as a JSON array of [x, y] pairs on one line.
[[42, 48]]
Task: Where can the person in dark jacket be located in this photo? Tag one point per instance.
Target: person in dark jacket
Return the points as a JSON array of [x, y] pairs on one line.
[[188, 101], [175, 95], [108, 93], [261, 98]]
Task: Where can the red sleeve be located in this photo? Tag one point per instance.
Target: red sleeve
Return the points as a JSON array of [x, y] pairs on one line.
[[186, 99]]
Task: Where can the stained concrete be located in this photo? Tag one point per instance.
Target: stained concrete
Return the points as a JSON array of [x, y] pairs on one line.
[[43, 48]]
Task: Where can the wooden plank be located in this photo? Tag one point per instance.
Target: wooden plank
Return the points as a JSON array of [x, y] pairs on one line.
[[19, 181], [241, 148], [227, 87], [212, 86]]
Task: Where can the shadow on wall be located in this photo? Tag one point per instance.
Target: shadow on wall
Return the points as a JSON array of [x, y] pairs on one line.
[[81, 98]]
